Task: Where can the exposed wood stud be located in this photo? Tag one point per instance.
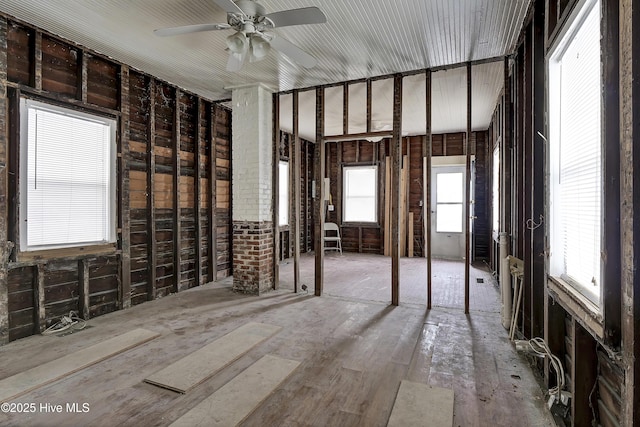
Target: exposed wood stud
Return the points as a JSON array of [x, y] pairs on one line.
[[396, 157], [338, 201], [295, 234], [213, 199], [611, 297], [319, 168], [427, 185], [12, 188], [83, 288], [629, 205], [369, 101], [39, 311], [276, 190], [36, 72], [307, 178], [151, 214], [177, 222], [81, 93], [5, 248], [467, 197], [538, 171], [197, 189], [527, 195], [124, 190], [345, 109], [584, 376]]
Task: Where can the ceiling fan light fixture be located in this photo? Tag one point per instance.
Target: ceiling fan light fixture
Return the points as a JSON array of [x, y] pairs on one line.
[[259, 48], [237, 43]]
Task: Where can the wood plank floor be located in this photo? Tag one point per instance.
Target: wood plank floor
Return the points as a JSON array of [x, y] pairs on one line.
[[354, 352]]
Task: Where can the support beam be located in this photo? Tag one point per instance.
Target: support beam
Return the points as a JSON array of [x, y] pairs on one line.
[[177, 217], [396, 193], [124, 217], [276, 190], [428, 148], [213, 199], [295, 235], [319, 166], [197, 190], [467, 197], [151, 214], [5, 249]]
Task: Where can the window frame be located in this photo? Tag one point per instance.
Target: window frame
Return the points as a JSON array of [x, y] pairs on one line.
[[107, 245], [461, 203], [571, 287], [376, 196]]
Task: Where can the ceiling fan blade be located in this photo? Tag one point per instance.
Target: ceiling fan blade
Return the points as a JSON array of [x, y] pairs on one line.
[[305, 15], [293, 51], [229, 6], [165, 32], [234, 64]]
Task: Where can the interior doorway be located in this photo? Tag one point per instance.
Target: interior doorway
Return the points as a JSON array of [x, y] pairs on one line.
[[448, 175]]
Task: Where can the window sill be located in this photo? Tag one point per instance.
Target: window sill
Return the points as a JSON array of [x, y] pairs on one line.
[[576, 304], [72, 252]]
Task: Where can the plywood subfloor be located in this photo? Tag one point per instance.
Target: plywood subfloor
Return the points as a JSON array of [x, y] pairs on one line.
[[186, 373], [353, 355]]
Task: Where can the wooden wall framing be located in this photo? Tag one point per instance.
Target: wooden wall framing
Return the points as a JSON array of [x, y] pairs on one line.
[[173, 174]]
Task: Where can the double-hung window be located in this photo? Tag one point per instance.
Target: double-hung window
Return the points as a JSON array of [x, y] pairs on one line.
[[575, 128], [283, 193], [67, 177], [360, 193]]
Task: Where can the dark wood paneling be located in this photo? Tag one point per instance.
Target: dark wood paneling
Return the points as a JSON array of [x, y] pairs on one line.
[[20, 43], [59, 67], [103, 82]]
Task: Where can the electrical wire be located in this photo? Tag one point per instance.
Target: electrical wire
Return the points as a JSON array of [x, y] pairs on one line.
[[72, 321], [540, 347]]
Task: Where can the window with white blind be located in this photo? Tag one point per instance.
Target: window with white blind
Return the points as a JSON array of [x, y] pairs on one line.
[[67, 185], [495, 192], [283, 193], [575, 89], [360, 193]]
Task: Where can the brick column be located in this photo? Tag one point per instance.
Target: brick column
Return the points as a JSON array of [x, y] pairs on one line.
[[252, 189]]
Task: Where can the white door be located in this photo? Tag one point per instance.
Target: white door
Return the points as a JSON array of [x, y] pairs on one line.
[[447, 212]]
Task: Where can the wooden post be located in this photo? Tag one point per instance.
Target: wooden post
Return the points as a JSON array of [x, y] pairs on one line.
[[387, 206], [295, 235], [319, 166], [39, 311], [124, 190], [36, 74], [197, 190], [467, 192], [83, 288], [276, 190], [630, 208], [410, 236], [5, 250], [396, 154], [427, 184], [151, 214], [177, 217], [213, 198]]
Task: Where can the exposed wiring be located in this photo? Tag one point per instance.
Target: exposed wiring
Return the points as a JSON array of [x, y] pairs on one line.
[[540, 347], [532, 225], [72, 321]]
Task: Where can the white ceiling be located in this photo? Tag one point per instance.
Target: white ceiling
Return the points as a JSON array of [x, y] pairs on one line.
[[360, 40]]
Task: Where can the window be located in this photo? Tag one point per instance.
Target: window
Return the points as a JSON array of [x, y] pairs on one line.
[[360, 193], [67, 168], [449, 202], [576, 154], [283, 194], [495, 191]]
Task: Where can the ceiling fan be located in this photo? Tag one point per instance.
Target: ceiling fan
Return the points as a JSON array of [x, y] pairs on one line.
[[252, 39]]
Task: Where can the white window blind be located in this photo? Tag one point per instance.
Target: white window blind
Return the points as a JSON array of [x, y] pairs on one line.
[[67, 191], [360, 191], [283, 194], [495, 191], [576, 148]]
